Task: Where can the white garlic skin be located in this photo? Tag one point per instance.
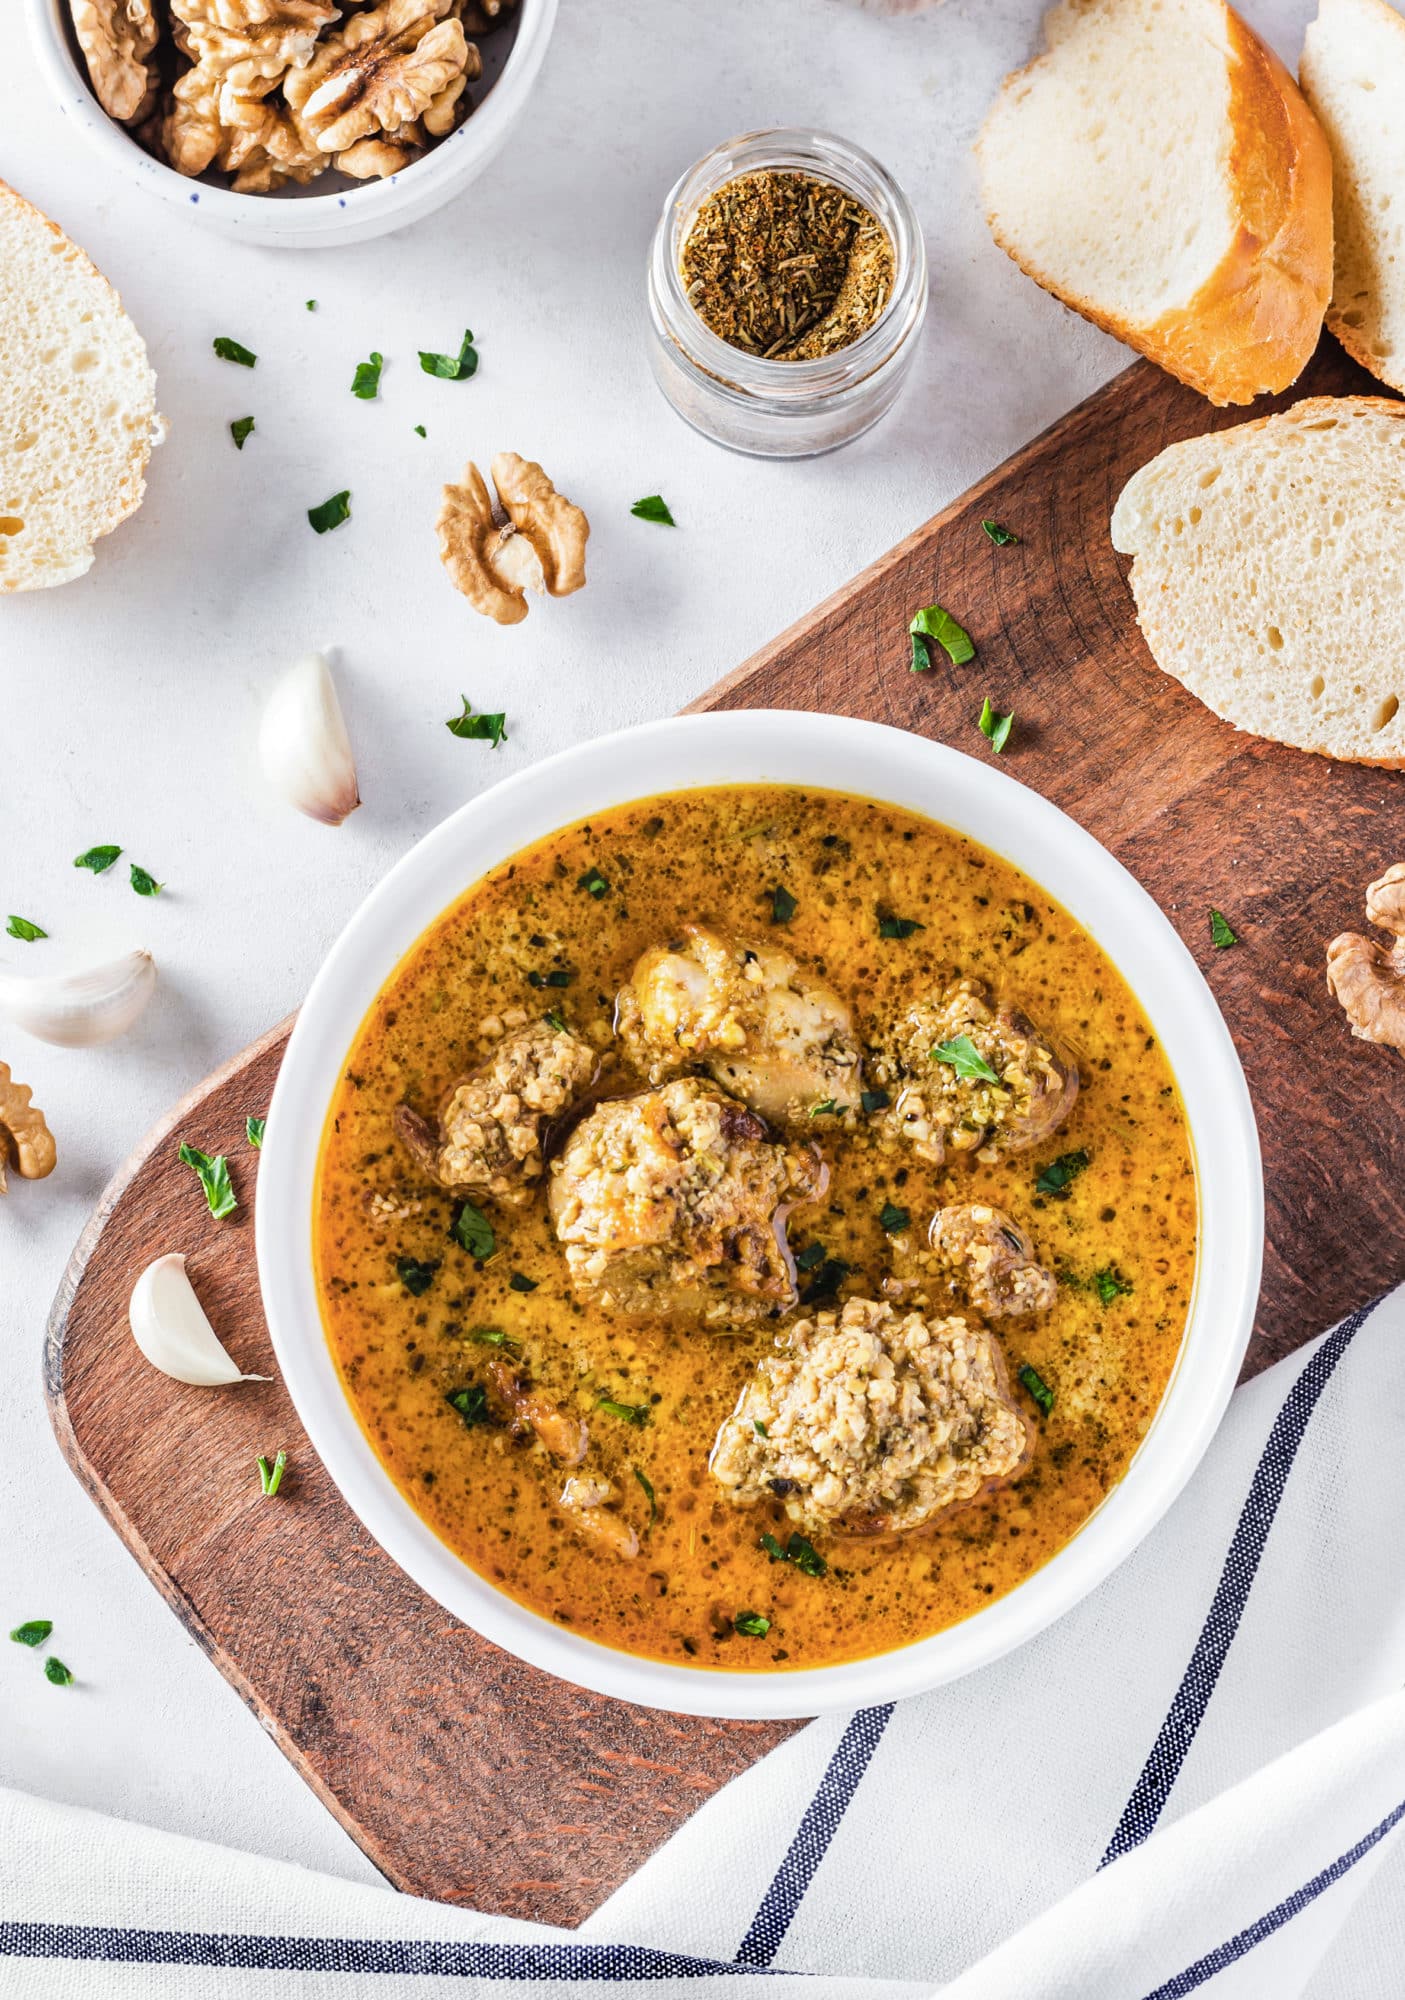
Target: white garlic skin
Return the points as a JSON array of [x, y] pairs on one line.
[[79, 1010], [303, 745], [169, 1326]]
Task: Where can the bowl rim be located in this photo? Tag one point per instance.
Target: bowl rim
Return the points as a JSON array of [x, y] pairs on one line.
[[369, 205], [801, 748]]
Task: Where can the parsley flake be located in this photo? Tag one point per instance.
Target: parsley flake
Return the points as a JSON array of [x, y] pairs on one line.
[[649, 1495], [897, 927], [271, 1476], [995, 728], [34, 1633], [1001, 537], [827, 1107], [1031, 1379], [471, 1402], [230, 350], [653, 507], [1110, 1284], [805, 1556], [420, 431], [752, 1624], [254, 1129], [473, 1232], [932, 623], [874, 1100], [98, 859], [478, 728], [966, 1059], [594, 883], [415, 1276], [366, 382], [145, 884], [56, 1672], [783, 905], [1221, 935], [1057, 1175], [22, 928], [213, 1173], [332, 512], [241, 428], [628, 1413], [520, 1282], [892, 1219], [451, 367]]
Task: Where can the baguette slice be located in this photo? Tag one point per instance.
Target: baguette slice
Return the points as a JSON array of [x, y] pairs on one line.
[[77, 403], [1269, 573], [1353, 72], [1158, 170]]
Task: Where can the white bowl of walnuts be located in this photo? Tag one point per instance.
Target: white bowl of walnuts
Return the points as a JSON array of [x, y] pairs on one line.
[[295, 122]]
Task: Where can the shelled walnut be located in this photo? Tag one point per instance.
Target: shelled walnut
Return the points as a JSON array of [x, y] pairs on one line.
[[26, 1143], [1368, 977], [271, 91], [539, 547]]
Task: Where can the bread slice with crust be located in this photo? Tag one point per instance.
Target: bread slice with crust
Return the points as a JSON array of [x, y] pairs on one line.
[[1353, 72], [77, 403], [1158, 170], [1268, 576]]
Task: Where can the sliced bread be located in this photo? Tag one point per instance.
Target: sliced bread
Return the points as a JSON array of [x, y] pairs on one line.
[[1269, 573], [1353, 71], [1158, 170], [77, 403]]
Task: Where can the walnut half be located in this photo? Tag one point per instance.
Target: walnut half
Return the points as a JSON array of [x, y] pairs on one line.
[[116, 37], [1368, 977], [539, 547], [26, 1142]]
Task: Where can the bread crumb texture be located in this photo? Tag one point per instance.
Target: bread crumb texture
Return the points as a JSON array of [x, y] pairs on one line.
[[1353, 71], [77, 403], [1266, 576]]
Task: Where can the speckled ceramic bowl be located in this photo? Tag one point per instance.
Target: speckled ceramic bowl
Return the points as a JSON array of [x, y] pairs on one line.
[[841, 755], [331, 210]]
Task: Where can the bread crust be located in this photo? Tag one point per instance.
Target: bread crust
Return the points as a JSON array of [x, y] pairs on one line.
[[131, 487], [1252, 326]]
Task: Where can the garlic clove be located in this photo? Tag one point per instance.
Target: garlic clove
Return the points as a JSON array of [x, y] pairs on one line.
[[78, 1010], [303, 745], [169, 1326]]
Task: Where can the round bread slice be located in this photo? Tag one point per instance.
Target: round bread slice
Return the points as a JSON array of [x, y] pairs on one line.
[[1158, 170], [77, 403], [1353, 71], [1268, 576]]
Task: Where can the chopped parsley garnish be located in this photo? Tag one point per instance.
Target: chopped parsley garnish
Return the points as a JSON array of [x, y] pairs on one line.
[[220, 1197], [471, 1403], [492, 1336], [628, 1413], [1001, 537], [1057, 1175], [803, 1554], [231, 350], [810, 1257], [519, 1282], [22, 928], [893, 1219], [561, 976], [897, 927], [473, 1232], [966, 1059], [1220, 932], [271, 1476], [826, 1281], [478, 728], [56, 1672], [932, 623], [34, 1633], [254, 1129], [783, 905], [366, 382], [415, 1276], [752, 1624], [451, 367], [312, 305], [874, 1100], [594, 883], [332, 512], [241, 428], [653, 507], [1031, 1379], [1110, 1284], [144, 883], [420, 431], [829, 1105], [649, 1496], [759, 1428], [554, 1018], [98, 859], [996, 728]]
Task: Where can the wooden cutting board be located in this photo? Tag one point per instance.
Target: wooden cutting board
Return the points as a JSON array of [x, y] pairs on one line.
[[461, 1773]]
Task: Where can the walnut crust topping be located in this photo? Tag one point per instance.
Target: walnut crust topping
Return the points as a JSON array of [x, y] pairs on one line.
[[991, 1260], [494, 562], [26, 1143], [870, 1422], [490, 1136], [117, 37], [673, 1202], [1368, 976], [939, 1111]]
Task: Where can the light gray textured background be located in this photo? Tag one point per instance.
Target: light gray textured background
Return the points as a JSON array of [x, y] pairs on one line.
[[129, 701]]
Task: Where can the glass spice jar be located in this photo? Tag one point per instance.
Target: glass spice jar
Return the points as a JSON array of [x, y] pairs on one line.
[[779, 408]]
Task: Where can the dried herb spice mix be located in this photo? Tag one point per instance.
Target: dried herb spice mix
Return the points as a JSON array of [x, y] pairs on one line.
[[787, 267]]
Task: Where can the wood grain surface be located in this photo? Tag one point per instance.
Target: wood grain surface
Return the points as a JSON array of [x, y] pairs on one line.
[[462, 1774]]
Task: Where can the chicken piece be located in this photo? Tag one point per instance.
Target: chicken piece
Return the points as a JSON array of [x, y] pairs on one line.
[[870, 1421], [489, 1137], [674, 1202], [562, 1432], [991, 1260], [942, 1110], [761, 1025], [586, 1503]]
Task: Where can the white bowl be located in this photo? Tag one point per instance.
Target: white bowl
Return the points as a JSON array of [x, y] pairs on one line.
[[903, 770], [306, 219]]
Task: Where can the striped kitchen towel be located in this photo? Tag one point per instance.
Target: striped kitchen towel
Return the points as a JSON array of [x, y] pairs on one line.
[[1193, 1784]]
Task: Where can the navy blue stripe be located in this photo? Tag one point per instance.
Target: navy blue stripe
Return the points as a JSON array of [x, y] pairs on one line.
[[1187, 1711], [816, 1830], [470, 1960], [1244, 1941]]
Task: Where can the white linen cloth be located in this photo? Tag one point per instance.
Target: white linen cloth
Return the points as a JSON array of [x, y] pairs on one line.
[[1193, 1784]]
